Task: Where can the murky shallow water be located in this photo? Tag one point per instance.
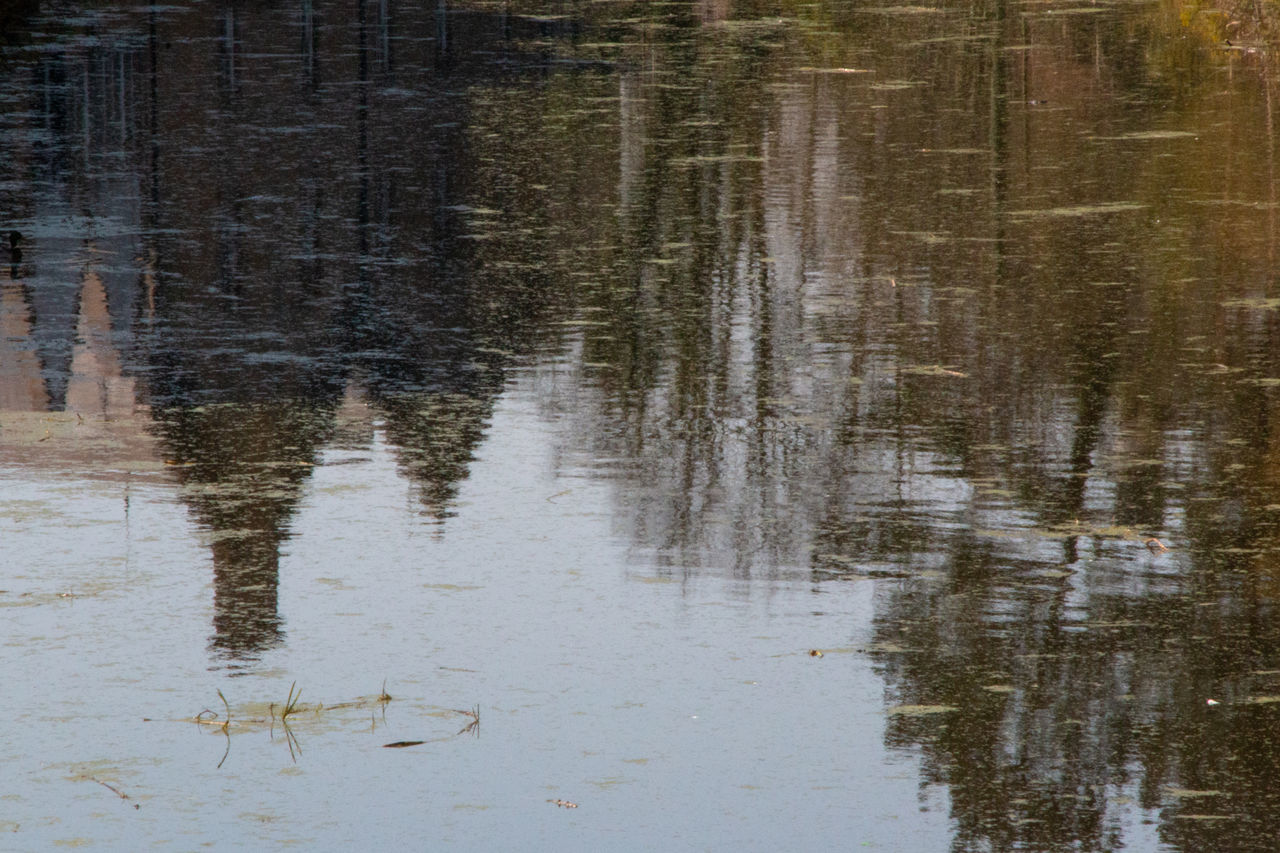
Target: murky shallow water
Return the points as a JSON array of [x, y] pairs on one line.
[[586, 372]]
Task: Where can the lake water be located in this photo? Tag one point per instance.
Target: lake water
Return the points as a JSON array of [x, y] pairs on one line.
[[668, 426]]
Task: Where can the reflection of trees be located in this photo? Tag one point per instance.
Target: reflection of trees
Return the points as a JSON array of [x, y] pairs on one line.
[[310, 209], [886, 330], [339, 252], [852, 323], [13, 17], [242, 468], [1070, 687]]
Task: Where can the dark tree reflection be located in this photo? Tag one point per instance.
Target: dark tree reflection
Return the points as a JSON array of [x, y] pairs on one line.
[[930, 331], [310, 207], [979, 302], [242, 470]]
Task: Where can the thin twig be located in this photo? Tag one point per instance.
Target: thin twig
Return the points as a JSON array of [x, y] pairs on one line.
[[112, 788]]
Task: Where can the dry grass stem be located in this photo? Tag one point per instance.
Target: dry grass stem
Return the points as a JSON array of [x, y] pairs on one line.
[[112, 788]]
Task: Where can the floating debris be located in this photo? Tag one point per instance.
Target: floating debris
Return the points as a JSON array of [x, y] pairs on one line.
[[1148, 134], [814, 653], [1081, 209], [1204, 817], [933, 370], [564, 804], [401, 744], [472, 727], [920, 710], [1190, 793], [112, 788], [841, 70]]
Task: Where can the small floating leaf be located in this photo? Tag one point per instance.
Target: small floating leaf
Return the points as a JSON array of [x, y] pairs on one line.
[[887, 649], [1203, 817], [1075, 10], [933, 370], [920, 710], [1151, 134], [1259, 303], [906, 10], [1083, 209], [837, 70]]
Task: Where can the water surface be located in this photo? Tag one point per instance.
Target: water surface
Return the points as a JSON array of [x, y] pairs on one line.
[[784, 426]]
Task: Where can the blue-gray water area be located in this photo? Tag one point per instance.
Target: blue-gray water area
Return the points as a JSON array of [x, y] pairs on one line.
[[639, 426]]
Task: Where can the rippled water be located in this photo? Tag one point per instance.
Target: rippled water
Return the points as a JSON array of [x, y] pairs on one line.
[[695, 425]]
